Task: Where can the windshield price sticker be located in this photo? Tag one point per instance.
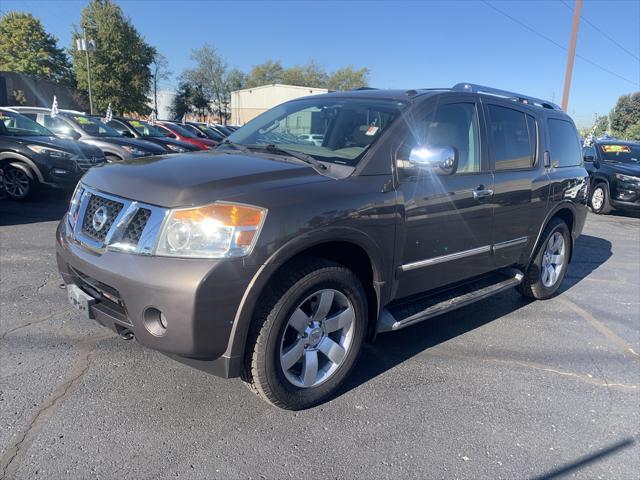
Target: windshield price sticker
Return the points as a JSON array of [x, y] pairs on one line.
[[84, 121], [616, 149], [136, 123]]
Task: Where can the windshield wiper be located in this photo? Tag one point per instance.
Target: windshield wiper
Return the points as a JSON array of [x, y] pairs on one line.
[[299, 155], [237, 146]]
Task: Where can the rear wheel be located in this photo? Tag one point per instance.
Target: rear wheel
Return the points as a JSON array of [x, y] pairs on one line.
[[17, 183], [308, 335], [546, 272], [600, 199]]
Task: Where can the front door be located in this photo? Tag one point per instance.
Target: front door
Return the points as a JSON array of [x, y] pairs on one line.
[[448, 217]]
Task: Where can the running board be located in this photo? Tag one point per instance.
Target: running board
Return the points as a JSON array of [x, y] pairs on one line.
[[410, 313]]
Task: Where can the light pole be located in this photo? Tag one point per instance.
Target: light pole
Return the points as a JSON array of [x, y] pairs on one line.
[[572, 54], [82, 44]]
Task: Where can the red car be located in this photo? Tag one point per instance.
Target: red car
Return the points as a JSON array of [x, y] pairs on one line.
[[175, 130]]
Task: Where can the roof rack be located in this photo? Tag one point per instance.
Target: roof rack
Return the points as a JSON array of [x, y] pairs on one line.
[[363, 88], [518, 97]]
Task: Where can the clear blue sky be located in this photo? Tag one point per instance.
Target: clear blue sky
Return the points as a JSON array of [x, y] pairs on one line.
[[405, 43]]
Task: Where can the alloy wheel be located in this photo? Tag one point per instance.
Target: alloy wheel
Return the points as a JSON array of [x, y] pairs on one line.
[[553, 260], [317, 338], [16, 183], [597, 199]]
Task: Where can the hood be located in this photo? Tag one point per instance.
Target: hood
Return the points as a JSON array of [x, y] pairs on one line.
[[82, 150], [171, 141], [131, 142], [625, 168], [197, 178]]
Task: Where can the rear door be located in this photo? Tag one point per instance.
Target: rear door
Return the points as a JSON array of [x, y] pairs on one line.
[[447, 218], [521, 188]]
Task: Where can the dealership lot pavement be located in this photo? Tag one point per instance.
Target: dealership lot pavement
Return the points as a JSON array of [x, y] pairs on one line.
[[504, 388]]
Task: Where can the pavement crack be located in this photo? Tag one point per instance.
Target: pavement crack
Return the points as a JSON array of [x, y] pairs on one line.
[[10, 460], [35, 322]]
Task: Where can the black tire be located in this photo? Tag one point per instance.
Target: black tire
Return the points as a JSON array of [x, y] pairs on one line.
[[19, 183], [603, 206], [264, 371], [533, 285]]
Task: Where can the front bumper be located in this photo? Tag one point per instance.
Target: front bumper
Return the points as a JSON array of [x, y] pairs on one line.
[[198, 298]]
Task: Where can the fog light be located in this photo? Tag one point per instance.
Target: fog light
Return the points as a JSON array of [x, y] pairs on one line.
[[154, 321]]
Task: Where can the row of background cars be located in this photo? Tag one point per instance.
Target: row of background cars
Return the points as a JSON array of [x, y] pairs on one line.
[[38, 147]]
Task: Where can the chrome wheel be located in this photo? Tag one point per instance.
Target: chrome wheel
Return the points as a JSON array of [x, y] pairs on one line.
[[553, 260], [317, 338], [16, 183], [597, 199]]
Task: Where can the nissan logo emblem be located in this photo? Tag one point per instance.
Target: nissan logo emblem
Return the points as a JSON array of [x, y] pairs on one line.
[[99, 218]]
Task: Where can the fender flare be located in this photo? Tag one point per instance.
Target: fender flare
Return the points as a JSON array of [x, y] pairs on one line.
[[18, 160], [564, 205], [244, 314]]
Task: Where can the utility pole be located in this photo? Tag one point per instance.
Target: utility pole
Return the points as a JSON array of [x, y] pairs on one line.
[[572, 53]]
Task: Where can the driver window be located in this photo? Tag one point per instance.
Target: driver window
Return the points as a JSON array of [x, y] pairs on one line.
[[452, 125], [56, 124]]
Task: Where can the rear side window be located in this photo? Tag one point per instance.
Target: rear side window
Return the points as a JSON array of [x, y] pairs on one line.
[[513, 138], [564, 143]]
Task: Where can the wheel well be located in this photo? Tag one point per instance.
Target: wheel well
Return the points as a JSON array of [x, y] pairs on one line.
[[566, 216], [356, 259]]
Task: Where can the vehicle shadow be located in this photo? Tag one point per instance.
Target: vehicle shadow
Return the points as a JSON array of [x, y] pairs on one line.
[[49, 205], [392, 349]]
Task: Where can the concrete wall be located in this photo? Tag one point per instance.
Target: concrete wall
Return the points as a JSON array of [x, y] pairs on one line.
[[251, 102]]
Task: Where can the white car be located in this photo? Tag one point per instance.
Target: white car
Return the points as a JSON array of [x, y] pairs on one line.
[[314, 138]]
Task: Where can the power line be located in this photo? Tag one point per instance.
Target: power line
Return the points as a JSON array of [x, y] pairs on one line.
[[603, 32], [541, 35]]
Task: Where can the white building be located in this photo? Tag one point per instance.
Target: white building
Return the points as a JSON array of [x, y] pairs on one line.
[[165, 102], [251, 102]]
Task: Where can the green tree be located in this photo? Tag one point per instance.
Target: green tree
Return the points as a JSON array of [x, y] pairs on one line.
[[633, 132], [626, 114], [182, 101], [602, 125], [348, 78], [309, 75], [208, 78], [120, 65], [25, 47], [266, 73]]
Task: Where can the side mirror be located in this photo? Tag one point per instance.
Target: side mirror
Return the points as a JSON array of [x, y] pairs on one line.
[[443, 160], [588, 158], [127, 134]]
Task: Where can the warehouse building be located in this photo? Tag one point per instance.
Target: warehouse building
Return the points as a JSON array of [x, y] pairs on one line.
[[249, 103]]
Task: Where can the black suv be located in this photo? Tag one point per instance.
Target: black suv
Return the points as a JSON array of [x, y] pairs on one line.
[[273, 258], [614, 171], [90, 130], [31, 156], [132, 128]]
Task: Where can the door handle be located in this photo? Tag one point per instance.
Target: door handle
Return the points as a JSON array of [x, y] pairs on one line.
[[481, 193]]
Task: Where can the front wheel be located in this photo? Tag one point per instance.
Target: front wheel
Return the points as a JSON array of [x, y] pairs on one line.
[[308, 335], [17, 183], [600, 199], [546, 272]]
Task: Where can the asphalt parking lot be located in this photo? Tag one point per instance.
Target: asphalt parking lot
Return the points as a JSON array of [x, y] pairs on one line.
[[505, 388]]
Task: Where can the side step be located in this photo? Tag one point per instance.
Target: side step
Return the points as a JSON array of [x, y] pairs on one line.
[[410, 313]]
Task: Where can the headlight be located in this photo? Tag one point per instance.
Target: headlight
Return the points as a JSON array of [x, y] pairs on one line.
[[219, 230], [74, 206], [627, 178], [50, 152], [135, 151], [176, 148]]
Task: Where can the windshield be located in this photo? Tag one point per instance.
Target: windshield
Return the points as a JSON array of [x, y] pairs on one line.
[[337, 130], [621, 153], [209, 133], [146, 129], [195, 130], [181, 131], [15, 124], [94, 127]]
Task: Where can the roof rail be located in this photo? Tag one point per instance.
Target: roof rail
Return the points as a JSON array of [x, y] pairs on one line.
[[363, 88], [518, 97]]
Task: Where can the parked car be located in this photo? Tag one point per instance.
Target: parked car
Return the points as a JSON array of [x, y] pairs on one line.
[[179, 132], [90, 130], [276, 261], [314, 138], [32, 156], [132, 128], [202, 130], [614, 172]]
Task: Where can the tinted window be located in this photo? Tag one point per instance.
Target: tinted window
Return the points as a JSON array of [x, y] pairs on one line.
[[16, 124], [452, 125], [513, 138], [117, 126], [565, 144], [589, 151], [57, 124], [629, 153]]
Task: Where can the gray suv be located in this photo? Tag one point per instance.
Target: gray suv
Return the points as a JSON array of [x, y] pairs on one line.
[[87, 129], [273, 258]]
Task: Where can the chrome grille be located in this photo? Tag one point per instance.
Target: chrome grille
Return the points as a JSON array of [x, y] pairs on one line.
[[135, 228], [99, 230]]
